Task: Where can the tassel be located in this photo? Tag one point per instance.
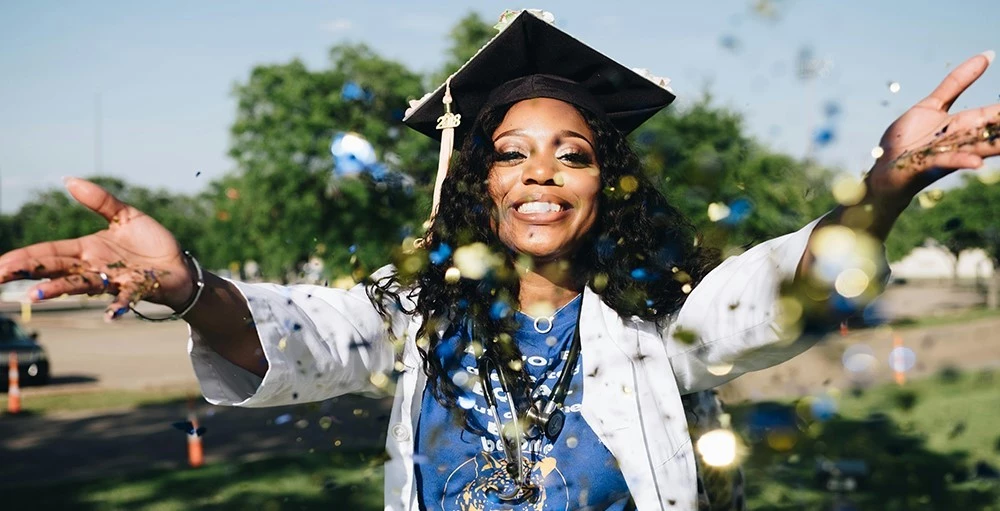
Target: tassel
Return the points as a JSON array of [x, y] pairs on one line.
[[447, 124]]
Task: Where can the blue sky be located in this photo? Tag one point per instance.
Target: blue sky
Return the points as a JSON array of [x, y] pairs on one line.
[[164, 70]]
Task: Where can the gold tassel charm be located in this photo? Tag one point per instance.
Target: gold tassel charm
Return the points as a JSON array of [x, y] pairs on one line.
[[447, 124]]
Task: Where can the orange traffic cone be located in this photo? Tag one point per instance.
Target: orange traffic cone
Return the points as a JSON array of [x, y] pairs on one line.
[[14, 385], [897, 367], [196, 453]]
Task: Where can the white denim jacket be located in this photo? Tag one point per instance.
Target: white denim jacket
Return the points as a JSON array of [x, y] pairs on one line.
[[321, 342]]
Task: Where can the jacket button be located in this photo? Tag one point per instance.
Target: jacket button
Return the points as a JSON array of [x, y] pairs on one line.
[[400, 432]]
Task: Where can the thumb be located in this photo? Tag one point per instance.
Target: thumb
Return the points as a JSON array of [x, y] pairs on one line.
[[95, 198]]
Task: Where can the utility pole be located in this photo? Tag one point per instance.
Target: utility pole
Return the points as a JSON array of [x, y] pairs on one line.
[[97, 134]]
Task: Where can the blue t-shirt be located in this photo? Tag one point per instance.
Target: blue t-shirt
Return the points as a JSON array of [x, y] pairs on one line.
[[456, 469]]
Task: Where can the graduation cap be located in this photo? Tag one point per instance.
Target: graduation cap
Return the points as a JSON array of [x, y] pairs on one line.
[[531, 58]]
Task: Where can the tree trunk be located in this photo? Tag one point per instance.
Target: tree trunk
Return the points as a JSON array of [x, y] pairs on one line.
[[993, 290]]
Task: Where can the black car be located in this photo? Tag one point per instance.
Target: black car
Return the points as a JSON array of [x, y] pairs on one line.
[[32, 361]]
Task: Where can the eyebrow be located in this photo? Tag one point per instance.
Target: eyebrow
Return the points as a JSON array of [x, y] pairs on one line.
[[561, 134]]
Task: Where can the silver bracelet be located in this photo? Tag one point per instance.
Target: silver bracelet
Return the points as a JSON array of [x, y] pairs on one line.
[[199, 287]]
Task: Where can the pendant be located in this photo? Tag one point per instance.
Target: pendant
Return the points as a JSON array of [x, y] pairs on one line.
[[548, 324]]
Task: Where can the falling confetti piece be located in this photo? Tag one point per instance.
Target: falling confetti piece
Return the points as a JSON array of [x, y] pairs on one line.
[[893, 87], [283, 419], [718, 448], [717, 211], [902, 359], [849, 190], [877, 152], [25, 312], [452, 275], [930, 198], [572, 442]]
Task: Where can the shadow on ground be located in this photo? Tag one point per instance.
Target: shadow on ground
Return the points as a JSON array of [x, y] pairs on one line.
[[318, 481], [841, 464]]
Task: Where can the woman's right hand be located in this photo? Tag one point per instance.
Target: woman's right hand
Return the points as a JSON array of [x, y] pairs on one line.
[[141, 259]]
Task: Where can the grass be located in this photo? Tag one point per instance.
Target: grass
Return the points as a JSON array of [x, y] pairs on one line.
[[963, 316], [40, 404]]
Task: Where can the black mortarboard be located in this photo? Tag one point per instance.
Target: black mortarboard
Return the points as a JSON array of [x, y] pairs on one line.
[[531, 58]]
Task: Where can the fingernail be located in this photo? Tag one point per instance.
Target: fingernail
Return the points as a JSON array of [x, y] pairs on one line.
[[66, 180], [990, 55]]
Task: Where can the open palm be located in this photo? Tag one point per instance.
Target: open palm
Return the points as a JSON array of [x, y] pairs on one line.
[[134, 258], [927, 142]]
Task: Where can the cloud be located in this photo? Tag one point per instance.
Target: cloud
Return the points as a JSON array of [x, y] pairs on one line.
[[336, 25]]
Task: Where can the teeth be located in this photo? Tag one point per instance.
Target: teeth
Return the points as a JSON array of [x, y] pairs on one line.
[[538, 207]]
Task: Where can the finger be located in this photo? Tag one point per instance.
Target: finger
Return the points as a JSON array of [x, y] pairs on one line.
[[88, 284], [42, 267], [96, 199], [127, 295], [956, 160], [957, 81]]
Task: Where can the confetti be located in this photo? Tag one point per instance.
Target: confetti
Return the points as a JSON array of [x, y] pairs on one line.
[[283, 419], [717, 211], [877, 152], [893, 87], [352, 154], [718, 448], [902, 359]]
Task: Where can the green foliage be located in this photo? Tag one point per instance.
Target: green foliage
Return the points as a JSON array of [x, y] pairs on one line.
[[467, 36], [702, 155], [283, 206], [965, 217]]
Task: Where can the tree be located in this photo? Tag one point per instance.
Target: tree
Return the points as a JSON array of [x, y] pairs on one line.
[[282, 205], [968, 217], [467, 36]]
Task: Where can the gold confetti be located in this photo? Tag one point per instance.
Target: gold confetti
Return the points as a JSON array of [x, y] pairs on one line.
[[849, 190], [282, 344], [25, 311], [718, 448], [717, 211], [877, 152], [893, 87], [453, 275]]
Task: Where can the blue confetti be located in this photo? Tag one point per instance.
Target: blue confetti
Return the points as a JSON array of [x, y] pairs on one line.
[[352, 249], [640, 274], [739, 210], [353, 92], [283, 419], [831, 109], [823, 408], [500, 309], [440, 254], [824, 136]]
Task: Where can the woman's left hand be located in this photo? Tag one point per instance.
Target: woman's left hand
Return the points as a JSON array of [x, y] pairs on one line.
[[927, 143]]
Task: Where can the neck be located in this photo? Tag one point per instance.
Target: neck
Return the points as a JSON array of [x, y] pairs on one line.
[[549, 283]]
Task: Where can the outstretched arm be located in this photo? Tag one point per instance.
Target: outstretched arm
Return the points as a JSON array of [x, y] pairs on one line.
[[738, 318]]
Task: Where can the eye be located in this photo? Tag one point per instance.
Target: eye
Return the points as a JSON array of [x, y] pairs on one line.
[[578, 159], [508, 156]]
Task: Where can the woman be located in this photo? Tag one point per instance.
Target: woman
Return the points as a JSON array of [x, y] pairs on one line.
[[540, 340]]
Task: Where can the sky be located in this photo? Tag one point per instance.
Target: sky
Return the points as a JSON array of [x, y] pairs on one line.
[[162, 72]]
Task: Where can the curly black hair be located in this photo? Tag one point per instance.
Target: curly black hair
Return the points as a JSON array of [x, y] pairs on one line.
[[641, 255]]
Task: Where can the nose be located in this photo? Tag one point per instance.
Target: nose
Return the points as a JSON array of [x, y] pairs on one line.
[[540, 172]]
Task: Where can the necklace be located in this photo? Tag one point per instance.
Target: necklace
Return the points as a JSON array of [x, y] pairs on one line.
[[543, 324]]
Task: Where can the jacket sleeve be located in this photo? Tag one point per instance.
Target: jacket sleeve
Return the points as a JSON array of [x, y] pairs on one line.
[[729, 325], [318, 343]]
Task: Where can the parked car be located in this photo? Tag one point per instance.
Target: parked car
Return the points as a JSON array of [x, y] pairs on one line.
[[32, 360]]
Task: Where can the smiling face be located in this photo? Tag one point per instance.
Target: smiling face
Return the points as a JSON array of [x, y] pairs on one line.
[[545, 180]]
